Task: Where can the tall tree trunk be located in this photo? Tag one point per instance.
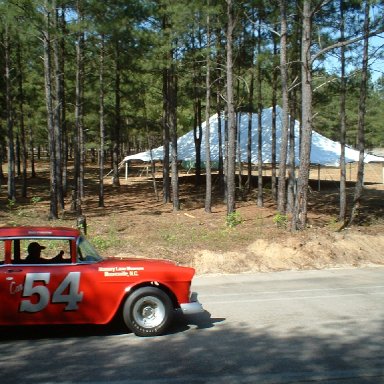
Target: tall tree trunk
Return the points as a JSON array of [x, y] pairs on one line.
[[260, 122], [57, 113], [299, 218], [150, 146], [291, 154], [281, 192], [208, 174], [231, 155], [273, 123], [166, 134], [343, 94], [22, 123], [63, 117], [101, 122], [166, 140], [78, 191], [239, 163], [294, 111], [220, 138], [249, 132], [251, 105], [10, 121], [197, 135], [197, 119], [31, 146], [219, 88], [116, 139], [17, 155], [172, 88], [53, 212], [361, 119], [81, 117]]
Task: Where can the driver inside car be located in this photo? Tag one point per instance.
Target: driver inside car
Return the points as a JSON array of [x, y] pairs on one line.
[[34, 255]]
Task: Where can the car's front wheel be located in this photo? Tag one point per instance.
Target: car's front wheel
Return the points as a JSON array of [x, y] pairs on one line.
[[147, 311]]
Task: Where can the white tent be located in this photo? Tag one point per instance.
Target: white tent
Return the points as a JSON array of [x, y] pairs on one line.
[[323, 151]]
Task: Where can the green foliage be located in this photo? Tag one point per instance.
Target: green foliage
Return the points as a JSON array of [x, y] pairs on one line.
[[11, 204], [280, 220], [106, 240], [144, 43], [233, 219], [327, 98], [35, 200], [23, 211], [196, 235], [170, 237], [101, 243]]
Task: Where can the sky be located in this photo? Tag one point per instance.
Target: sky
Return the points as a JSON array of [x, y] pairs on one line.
[[376, 44]]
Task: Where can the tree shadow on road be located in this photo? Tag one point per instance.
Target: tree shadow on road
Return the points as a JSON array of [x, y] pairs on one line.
[[179, 324], [200, 350]]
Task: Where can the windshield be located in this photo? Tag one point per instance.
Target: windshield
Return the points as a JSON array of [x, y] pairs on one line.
[[86, 252]]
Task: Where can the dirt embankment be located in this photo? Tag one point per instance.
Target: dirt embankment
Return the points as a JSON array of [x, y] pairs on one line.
[[312, 250]]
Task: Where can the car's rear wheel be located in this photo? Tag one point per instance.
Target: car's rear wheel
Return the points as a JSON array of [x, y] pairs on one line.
[[147, 311]]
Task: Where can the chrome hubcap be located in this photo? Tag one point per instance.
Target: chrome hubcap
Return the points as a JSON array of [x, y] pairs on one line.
[[149, 312]]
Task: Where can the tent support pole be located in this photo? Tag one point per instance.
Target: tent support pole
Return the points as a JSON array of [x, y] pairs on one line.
[[318, 177], [126, 170]]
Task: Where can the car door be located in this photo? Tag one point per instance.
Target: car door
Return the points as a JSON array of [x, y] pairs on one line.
[[40, 293], [51, 294], [70, 292], [12, 278], [65, 294]]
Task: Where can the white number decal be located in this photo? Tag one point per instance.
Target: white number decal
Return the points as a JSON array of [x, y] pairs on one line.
[[40, 290], [66, 292], [72, 282]]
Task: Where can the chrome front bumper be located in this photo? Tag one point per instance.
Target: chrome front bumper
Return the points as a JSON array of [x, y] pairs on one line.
[[193, 306]]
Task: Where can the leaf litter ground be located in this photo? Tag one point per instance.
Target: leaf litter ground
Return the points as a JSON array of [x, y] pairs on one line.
[[134, 223]]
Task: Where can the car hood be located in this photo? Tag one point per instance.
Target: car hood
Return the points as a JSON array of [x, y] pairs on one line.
[[137, 261], [146, 266]]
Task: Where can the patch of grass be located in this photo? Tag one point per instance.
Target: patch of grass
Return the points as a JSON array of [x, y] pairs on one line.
[[105, 241], [11, 204], [170, 238], [281, 220], [35, 200], [233, 219], [101, 243], [184, 237]]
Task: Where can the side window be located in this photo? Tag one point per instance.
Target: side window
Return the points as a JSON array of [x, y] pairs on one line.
[[43, 251]]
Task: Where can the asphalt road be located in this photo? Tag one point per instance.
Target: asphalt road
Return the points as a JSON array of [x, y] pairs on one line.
[[286, 327]]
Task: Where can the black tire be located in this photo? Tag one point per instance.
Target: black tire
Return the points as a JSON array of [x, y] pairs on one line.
[[147, 311]]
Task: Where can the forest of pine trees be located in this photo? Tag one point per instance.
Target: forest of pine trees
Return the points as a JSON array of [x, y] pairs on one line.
[[84, 78]]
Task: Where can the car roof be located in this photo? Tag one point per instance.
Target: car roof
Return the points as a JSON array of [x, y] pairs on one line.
[[34, 231]]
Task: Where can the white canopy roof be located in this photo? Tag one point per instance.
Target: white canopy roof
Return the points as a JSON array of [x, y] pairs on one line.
[[323, 151]]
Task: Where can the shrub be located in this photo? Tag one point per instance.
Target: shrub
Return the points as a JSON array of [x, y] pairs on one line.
[[233, 219], [281, 220]]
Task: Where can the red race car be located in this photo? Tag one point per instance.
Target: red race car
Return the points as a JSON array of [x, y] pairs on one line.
[[55, 276]]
